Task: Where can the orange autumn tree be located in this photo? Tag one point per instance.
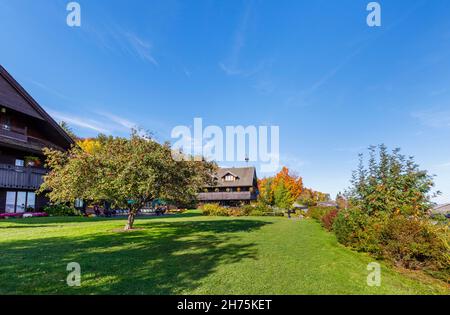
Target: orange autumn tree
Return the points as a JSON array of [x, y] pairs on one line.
[[282, 190], [265, 191], [292, 182]]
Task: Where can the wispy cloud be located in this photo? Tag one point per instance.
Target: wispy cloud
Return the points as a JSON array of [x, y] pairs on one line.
[[330, 74], [140, 47], [443, 166], [104, 122], [78, 121], [300, 98], [114, 38], [264, 85], [231, 66], [50, 90], [120, 121], [433, 118]]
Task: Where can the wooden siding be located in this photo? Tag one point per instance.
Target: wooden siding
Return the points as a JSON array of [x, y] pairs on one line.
[[11, 98], [20, 110], [226, 196], [21, 177], [19, 134]]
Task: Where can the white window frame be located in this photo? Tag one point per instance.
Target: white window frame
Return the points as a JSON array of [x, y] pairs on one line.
[[230, 178], [20, 163], [28, 194]]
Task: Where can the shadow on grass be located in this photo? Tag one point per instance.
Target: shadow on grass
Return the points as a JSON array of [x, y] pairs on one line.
[[163, 258], [18, 222], [23, 226]]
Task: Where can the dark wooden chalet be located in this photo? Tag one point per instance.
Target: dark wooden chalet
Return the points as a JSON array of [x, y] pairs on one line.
[[25, 129], [232, 186]]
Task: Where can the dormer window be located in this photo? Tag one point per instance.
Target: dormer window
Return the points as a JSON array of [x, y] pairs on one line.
[[229, 178]]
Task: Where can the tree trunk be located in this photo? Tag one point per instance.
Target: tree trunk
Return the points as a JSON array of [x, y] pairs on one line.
[[130, 222]]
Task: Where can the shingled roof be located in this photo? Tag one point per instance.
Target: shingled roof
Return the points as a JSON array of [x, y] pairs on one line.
[[245, 176], [14, 96], [445, 208]]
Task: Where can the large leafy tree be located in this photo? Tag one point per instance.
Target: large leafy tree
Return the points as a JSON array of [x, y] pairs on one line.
[[266, 194], [283, 197], [391, 183], [281, 190], [291, 182], [126, 172]]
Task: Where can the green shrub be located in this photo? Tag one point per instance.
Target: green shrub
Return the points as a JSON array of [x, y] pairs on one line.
[[358, 230], [416, 244], [213, 209], [236, 212], [408, 242], [246, 210], [257, 213], [61, 210], [440, 219], [261, 209], [318, 212], [255, 209]]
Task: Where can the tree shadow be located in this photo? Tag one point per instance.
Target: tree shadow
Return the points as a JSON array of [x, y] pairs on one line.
[[163, 258], [23, 226], [49, 220]]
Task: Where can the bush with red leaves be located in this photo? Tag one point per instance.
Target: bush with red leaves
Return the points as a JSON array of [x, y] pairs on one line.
[[328, 219]]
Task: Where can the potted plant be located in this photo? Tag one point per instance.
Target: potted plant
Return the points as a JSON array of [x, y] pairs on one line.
[[32, 161]]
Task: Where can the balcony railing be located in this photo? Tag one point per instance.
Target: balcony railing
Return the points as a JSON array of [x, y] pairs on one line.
[[14, 133], [21, 177], [226, 196]]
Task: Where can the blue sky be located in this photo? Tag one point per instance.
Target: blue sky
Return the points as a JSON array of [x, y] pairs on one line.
[[314, 68]]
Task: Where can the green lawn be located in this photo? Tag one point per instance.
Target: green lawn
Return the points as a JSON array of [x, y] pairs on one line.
[[188, 254]]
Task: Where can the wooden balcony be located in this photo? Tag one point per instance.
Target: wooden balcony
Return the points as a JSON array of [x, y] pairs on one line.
[[20, 138], [226, 196], [15, 133], [21, 177]]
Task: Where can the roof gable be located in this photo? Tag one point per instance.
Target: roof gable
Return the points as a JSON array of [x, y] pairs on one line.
[[14, 96], [246, 176], [229, 173], [442, 208], [11, 98]]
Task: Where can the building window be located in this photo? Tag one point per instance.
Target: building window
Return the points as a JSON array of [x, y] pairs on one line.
[[31, 201], [20, 201], [10, 202], [79, 203], [20, 163], [229, 178], [5, 120]]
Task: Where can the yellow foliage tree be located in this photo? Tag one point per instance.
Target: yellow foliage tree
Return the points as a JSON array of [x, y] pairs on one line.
[[89, 145]]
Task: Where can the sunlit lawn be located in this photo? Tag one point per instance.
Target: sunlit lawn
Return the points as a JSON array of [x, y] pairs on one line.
[[188, 254]]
